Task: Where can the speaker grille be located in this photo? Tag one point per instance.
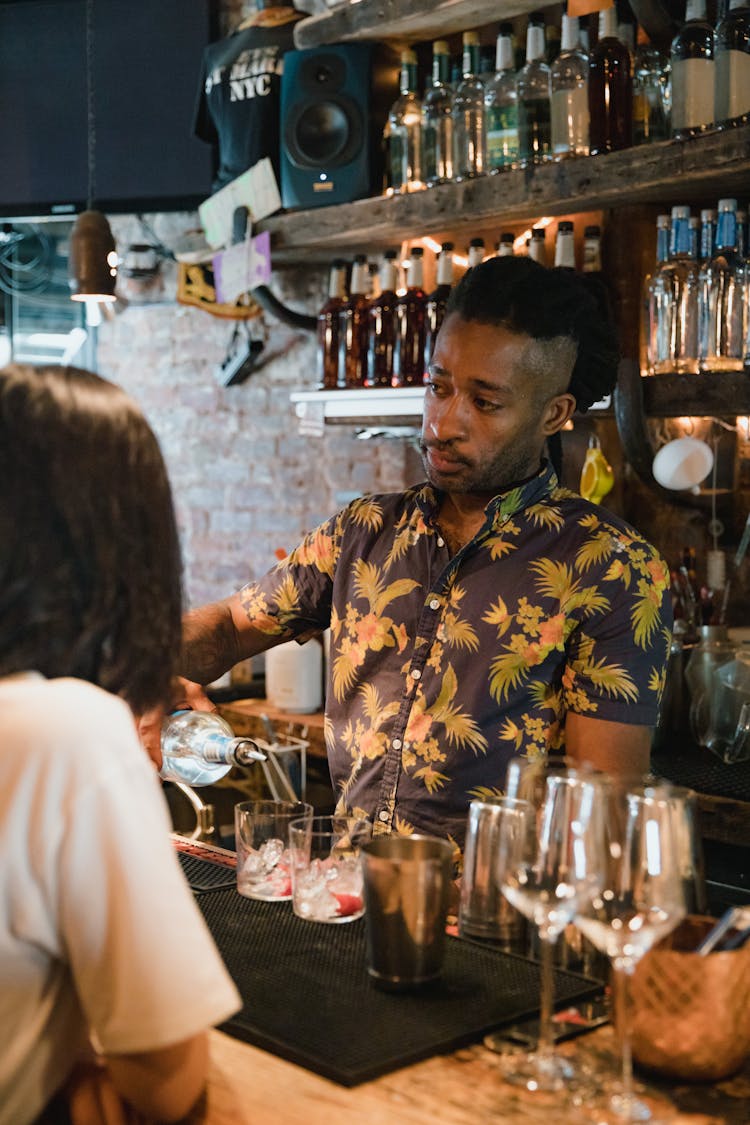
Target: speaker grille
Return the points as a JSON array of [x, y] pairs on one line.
[[324, 134]]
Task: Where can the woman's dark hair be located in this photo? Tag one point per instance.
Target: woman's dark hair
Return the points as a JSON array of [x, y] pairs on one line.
[[90, 576], [525, 297]]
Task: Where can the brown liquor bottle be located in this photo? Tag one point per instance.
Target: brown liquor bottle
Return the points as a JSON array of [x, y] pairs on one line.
[[328, 328], [353, 325], [381, 345], [610, 89], [410, 326], [438, 299]]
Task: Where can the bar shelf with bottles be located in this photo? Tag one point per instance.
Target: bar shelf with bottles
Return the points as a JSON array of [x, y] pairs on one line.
[[528, 152]]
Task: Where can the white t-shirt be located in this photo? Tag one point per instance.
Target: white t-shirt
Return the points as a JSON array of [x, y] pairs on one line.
[[98, 928]]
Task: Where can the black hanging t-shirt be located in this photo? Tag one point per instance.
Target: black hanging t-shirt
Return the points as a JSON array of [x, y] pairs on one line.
[[240, 92]]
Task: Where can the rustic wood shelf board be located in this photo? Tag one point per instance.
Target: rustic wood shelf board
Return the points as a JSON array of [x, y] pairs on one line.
[[667, 172], [720, 393], [403, 19]]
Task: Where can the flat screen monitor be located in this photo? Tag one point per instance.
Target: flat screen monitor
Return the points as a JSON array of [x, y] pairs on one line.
[[145, 65]]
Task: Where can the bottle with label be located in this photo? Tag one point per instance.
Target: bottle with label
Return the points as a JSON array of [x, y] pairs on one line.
[[475, 252], [506, 247], [437, 119], [469, 142], [610, 89], [569, 96], [532, 88], [651, 94], [501, 108], [722, 298], [732, 54], [537, 246], [410, 325], [381, 344], [353, 327], [676, 293], [565, 249], [438, 299], [405, 130], [199, 748], [654, 319], [693, 73], [328, 328]]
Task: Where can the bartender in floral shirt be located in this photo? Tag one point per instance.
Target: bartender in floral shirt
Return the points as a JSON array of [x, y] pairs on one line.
[[488, 612]]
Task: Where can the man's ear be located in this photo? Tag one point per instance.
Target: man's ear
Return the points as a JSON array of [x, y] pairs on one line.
[[557, 412]]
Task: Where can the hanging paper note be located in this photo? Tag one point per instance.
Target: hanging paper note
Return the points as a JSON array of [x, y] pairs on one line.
[[255, 189], [241, 267]]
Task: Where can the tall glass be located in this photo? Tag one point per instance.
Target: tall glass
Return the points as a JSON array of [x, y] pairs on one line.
[[642, 898], [550, 873]]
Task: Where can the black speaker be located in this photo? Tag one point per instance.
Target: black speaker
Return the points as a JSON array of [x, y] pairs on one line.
[[334, 106]]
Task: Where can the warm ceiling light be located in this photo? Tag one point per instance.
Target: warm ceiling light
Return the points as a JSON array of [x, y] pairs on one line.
[[93, 258]]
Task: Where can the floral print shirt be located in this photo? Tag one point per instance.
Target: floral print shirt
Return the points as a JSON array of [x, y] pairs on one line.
[[443, 668]]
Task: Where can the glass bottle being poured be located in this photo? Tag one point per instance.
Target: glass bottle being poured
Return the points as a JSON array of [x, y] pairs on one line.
[[199, 748]]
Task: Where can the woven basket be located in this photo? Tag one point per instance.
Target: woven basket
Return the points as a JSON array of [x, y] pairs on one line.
[[691, 1014]]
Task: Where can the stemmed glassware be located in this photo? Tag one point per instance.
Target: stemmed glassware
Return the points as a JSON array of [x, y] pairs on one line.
[[641, 899], [551, 872]]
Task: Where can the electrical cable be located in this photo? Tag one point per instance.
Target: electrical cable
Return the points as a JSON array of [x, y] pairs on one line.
[[268, 301]]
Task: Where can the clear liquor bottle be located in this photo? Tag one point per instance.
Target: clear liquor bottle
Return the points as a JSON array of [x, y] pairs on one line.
[[469, 142], [650, 97], [438, 299], [506, 247], [410, 325], [537, 246], [405, 130], [610, 89], [328, 328], [532, 87], [569, 96], [722, 298], [693, 73], [708, 235], [437, 119], [676, 292], [565, 248], [654, 319], [353, 327], [475, 252], [732, 54], [381, 314], [199, 748], [501, 109]]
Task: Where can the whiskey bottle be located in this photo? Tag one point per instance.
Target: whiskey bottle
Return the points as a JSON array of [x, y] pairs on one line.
[[537, 246], [410, 326], [532, 88], [676, 292], [475, 252], [506, 247], [593, 275], [693, 73], [732, 54], [381, 314], [565, 251], [405, 130], [328, 328], [722, 298], [437, 119], [501, 108], [569, 96], [438, 299], [353, 327], [610, 89], [469, 143]]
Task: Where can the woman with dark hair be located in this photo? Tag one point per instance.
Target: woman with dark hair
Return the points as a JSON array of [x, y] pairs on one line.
[[99, 935]]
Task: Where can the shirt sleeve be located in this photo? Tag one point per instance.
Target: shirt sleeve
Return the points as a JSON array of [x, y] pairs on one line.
[[617, 657], [143, 961], [203, 123]]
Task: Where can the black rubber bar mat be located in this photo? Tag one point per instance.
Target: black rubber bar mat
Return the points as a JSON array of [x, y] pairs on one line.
[[701, 770], [203, 875], [308, 997]]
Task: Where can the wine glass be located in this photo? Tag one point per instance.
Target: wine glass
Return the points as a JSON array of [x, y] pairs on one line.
[[642, 899], [550, 872]]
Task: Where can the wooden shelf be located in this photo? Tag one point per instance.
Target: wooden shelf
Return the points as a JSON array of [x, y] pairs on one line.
[[697, 171], [404, 19], [722, 393]]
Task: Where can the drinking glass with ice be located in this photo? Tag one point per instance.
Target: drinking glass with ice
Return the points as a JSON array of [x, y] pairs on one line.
[[326, 871], [262, 842]]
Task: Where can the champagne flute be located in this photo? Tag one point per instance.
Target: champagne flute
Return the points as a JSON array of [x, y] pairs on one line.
[[642, 899], [551, 871]]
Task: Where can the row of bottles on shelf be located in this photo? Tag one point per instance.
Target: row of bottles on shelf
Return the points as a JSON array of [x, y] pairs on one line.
[[382, 334], [583, 102], [696, 307]]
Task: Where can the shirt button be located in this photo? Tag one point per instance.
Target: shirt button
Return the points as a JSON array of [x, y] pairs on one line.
[[434, 603], [415, 674], [383, 816], [441, 541], [396, 744]]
